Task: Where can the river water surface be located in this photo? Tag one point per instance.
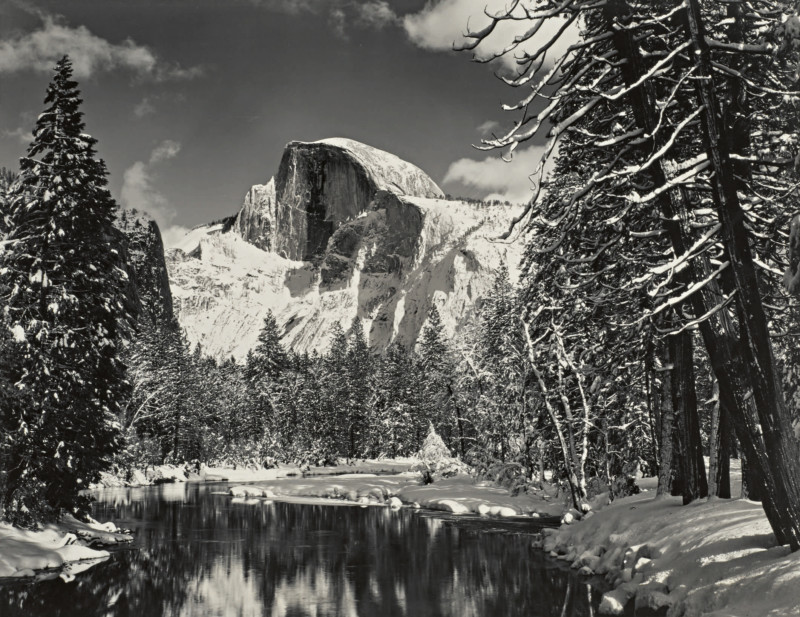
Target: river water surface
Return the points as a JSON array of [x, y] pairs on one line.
[[199, 553]]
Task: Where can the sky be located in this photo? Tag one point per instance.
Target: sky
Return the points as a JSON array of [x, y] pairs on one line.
[[193, 101]]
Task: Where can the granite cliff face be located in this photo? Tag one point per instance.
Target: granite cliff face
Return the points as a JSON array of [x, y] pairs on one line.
[[343, 231], [256, 220], [323, 184], [142, 254]]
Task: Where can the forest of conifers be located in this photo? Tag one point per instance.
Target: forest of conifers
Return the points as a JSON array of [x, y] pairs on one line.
[[654, 322]]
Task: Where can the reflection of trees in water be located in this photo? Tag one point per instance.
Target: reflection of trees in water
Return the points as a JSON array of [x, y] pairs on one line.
[[209, 555]]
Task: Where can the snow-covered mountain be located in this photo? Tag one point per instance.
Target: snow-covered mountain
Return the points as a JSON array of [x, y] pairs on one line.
[[343, 230]]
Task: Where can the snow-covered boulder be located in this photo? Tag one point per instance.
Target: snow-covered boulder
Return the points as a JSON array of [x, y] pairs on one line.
[[449, 505]]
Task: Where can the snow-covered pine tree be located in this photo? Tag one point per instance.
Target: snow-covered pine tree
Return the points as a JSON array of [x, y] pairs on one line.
[[61, 288], [665, 96], [437, 369], [264, 371], [360, 377], [7, 179]]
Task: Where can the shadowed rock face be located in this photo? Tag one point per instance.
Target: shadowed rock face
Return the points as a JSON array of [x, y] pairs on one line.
[[323, 184], [142, 252]]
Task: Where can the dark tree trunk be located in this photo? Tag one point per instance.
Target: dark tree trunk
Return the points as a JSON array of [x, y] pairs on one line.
[[723, 479], [676, 481], [774, 450], [742, 355], [752, 484], [684, 401], [713, 438], [719, 455]]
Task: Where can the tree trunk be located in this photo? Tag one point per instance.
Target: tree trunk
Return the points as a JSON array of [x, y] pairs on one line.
[[569, 461], [719, 446], [752, 484], [742, 357], [575, 462], [541, 463], [760, 385], [724, 458], [665, 470], [684, 401], [714, 439]]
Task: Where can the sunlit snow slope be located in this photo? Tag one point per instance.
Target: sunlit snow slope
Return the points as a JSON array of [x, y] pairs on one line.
[[343, 230]]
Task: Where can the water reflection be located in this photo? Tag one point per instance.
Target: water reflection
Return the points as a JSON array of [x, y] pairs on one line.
[[198, 553]]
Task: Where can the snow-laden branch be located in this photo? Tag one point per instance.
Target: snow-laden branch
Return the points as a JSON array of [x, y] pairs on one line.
[[652, 72], [679, 299], [672, 183]]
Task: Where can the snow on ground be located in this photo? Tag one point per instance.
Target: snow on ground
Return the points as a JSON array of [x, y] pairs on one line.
[[167, 474], [715, 557], [462, 494], [459, 495], [210, 474], [59, 550]]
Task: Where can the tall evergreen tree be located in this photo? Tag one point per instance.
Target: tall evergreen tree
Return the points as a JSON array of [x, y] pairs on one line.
[[61, 288], [360, 377], [437, 370], [7, 179], [265, 369]]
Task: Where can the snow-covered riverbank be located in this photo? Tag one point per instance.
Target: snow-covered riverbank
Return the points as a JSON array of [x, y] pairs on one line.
[[461, 494], [60, 550], [159, 474], [716, 558]]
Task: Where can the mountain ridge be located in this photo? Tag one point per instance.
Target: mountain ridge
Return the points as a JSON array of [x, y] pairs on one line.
[[342, 231]]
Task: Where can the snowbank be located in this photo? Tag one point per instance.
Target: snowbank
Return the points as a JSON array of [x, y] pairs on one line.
[[715, 557], [161, 474], [63, 547], [458, 495], [462, 494]]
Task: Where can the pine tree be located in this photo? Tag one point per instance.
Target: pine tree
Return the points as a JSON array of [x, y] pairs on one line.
[[268, 358], [360, 375], [7, 180], [397, 424], [62, 290], [265, 369], [331, 431], [673, 109], [437, 370]]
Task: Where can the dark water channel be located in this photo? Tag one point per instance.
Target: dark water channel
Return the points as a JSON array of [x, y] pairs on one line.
[[199, 553]]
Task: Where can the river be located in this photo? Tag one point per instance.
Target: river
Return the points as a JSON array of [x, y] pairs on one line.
[[199, 553]]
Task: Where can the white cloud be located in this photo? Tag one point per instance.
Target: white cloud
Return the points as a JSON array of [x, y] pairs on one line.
[[145, 107], [370, 14], [488, 127], [338, 21], [41, 49], [138, 192], [376, 14], [22, 135], [498, 179], [164, 151], [441, 24]]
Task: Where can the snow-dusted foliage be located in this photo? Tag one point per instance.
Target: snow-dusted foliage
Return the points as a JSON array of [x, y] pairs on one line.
[[61, 287], [435, 457], [667, 214]]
